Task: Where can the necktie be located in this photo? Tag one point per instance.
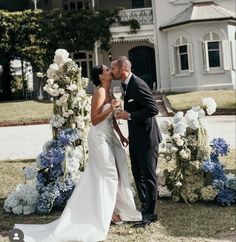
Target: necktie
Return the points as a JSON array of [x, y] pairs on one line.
[[124, 87]]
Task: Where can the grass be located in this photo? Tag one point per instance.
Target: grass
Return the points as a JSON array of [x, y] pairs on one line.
[[225, 99], [25, 111], [178, 222]]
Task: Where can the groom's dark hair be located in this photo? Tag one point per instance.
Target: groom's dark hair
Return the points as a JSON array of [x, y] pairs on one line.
[[96, 71]]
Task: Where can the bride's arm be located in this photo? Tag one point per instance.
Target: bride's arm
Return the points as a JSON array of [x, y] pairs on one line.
[[123, 140], [98, 99]]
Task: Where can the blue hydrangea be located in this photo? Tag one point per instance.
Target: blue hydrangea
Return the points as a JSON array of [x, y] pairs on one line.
[[208, 166], [231, 183], [218, 172], [65, 189], [51, 157], [219, 148], [41, 179], [218, 184], [55, 172], [46, 199], [67, 136], [53, 144], [226, 196]]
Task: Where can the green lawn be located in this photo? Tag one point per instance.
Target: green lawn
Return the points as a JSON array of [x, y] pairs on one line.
[[225, 99], [25, 111], [21, 111], [179, 222]]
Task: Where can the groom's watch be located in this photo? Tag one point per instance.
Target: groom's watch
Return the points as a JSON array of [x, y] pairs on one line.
[[129, 116]]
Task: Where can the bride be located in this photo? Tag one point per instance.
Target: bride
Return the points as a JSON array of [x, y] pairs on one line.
[[103, 192]]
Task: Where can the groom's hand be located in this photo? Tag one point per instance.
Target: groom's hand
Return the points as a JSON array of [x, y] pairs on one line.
[[122, 115]]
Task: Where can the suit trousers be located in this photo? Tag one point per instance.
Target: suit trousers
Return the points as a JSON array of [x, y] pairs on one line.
[[143, 165]]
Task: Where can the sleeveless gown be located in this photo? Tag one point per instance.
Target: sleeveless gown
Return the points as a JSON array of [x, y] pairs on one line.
[[104, 187]]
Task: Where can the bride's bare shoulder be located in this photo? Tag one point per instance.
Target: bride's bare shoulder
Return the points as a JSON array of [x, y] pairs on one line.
[[99, 96]]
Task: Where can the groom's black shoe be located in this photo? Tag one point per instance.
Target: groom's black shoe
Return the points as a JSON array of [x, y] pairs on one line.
[[147, 219]]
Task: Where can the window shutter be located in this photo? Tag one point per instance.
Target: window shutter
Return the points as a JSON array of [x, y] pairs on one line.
[[226, 54], [172, 60], [233, 55], [190, 57], [205, 56]]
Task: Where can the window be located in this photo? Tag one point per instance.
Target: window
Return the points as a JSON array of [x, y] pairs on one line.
[[75, 4], [138, 4], [216, 52], [181, 56], [84, 60]]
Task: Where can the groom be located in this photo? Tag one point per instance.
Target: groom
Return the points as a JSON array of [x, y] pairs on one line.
[[140, 109]]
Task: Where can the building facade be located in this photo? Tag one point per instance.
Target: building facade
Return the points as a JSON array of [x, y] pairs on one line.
[[182, 45], [195, 44]]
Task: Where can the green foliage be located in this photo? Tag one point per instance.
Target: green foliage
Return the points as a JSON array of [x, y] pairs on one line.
[[35, 35], [133, 23]]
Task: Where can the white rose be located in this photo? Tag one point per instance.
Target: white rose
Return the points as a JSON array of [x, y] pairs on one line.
[[180, 142], [178, 184]]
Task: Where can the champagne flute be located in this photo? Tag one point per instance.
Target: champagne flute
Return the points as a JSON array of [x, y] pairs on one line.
[[117, 93]]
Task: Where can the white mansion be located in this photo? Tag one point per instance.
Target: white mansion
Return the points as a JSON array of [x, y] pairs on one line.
[[181, 45]]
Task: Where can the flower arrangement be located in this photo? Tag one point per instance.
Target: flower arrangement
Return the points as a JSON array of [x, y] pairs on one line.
[[196, 170], [63, 158]]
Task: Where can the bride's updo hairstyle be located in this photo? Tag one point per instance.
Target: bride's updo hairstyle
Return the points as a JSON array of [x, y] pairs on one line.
[[96, 71]]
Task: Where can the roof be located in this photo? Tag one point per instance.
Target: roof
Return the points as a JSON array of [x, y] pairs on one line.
[[199, 12]]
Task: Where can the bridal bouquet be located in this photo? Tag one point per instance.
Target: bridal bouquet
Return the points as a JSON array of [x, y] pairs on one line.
[[63, 158], [190, 177]]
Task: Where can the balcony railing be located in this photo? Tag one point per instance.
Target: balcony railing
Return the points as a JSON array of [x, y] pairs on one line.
[[143, 15]]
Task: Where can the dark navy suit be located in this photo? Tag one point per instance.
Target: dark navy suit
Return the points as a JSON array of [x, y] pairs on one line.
[[144, 139]]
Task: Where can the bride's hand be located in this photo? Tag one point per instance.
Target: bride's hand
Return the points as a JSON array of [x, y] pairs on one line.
[[115, 103], [124, 141]]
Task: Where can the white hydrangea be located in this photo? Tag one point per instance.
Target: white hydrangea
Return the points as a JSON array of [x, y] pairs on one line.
[[193, 124], [57, 121], [210, 105], [178, 117], [23, 200], [180, 128], [180, 142], [52, 71], [74, 157], [61, 56], [183, 154], [165, 125], [176, 136], [30, 172], [191, 115]]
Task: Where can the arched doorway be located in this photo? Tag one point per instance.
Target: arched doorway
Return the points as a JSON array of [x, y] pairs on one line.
[[143, 64]]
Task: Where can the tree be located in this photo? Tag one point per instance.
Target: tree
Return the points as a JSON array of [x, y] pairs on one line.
[[35, 35]]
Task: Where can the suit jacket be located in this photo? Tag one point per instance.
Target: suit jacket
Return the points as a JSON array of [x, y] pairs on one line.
[[144, 132]]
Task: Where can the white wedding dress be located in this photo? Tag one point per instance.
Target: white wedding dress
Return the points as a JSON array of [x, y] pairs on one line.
[[103, 188]]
